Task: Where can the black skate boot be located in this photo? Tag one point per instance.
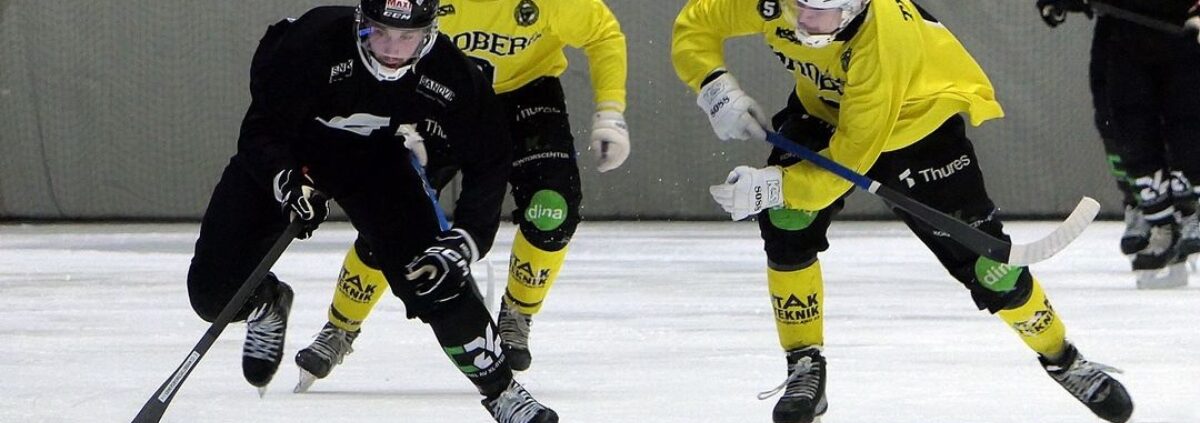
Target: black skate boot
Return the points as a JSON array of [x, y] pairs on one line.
[[1159, 265], [515, 405], [266, 328], [328, 350], [1137, 231], [803, 399], [514, 336], [1091, 384], [1189, 235]]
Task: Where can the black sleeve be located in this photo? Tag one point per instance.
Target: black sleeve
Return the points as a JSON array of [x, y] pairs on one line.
[[271, 122], [1172, 11], [485, 173]]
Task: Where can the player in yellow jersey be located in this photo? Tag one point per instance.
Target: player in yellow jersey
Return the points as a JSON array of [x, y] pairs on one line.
[[881, 87], [519, 44]]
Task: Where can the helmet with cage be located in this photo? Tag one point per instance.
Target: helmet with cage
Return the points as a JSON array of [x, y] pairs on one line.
[[818, 22], [393, 34]]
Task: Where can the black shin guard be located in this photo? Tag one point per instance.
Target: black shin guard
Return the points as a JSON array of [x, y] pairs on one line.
[[467, 334]]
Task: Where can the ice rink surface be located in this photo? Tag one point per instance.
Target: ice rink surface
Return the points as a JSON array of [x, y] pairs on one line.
[[648, 322]]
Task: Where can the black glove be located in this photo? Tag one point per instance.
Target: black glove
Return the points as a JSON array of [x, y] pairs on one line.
[[1054, 12], [299, 200], [441, 272]]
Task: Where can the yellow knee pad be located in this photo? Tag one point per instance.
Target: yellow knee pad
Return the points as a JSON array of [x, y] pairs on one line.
[[531, 273], [798, 298], [359, 287], [1037, 323]]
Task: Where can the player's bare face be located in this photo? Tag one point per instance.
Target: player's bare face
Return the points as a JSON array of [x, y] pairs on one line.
[[817, 21], [394, 47]]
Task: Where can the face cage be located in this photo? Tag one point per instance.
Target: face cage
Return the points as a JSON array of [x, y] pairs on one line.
[[849, 12], [362, 25]]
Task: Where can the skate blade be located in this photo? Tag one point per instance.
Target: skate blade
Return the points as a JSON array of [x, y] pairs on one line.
[[1173, 276], [1191, 262], [306, 381], [262, 391]]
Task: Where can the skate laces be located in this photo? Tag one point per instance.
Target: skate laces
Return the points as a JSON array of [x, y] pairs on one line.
[[514, 328], [515, 405], [333, 343], [797, 384], [1083, 378], [264, 333]]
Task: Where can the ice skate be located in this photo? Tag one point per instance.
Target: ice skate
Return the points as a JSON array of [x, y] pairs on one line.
[[266, 328], [515, 405], [328, 350], [1137, 231], [803, 399], [1189, 239], [1159, 265], [514, 336], [1091, 384]]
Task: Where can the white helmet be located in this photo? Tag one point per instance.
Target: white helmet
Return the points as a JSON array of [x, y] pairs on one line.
[[818, 22]]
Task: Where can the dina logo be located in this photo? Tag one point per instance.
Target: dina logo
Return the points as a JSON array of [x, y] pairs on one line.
[[547, 210], [769, 9], [527, 13]]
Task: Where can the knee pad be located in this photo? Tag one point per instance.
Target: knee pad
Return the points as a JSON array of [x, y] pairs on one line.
[[995, 286], [792, 238], [549, 217]]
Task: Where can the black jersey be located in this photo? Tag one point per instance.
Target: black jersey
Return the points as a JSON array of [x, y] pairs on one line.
[[315, 105], [1173, 11]]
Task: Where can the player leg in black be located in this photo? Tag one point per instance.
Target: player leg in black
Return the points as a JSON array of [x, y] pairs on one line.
[[546, 189], [399, 219], [943, 172], [1137, 231], [1180, 109], [241, 222], [1135, 57]]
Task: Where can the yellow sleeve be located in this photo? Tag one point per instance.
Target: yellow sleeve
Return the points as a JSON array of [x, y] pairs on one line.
[[698, 38], [589, 25], [881, 70]]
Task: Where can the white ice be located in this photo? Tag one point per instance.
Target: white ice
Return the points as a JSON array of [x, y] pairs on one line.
[[649, 322]]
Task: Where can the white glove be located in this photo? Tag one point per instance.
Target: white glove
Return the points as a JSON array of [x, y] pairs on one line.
[[747, 191], [732, 113], [414, 142], [610, 139]]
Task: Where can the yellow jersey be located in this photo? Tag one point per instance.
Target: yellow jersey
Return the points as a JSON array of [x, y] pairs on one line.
[[518, 41], [891, 78]]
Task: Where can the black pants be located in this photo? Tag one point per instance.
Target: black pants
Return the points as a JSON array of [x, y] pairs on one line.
[[941, 171], [544, 161], [385, 200], [1146, 92]]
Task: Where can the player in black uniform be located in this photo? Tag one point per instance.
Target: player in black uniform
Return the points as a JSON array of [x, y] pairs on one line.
[[1146, 91], [338, 99]]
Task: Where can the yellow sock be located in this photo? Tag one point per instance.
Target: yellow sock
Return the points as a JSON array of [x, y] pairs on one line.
[[797, 297], [359, 287], [1037, 324], [531, 272]]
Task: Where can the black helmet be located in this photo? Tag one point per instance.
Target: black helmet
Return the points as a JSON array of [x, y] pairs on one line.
[[400, 13]]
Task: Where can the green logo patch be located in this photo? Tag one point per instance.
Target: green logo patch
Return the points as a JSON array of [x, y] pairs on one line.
[[547, 210], [996, 276], [790, 219]]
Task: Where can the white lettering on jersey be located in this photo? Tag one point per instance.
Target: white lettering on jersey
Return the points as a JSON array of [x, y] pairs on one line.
[[359, 123]]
